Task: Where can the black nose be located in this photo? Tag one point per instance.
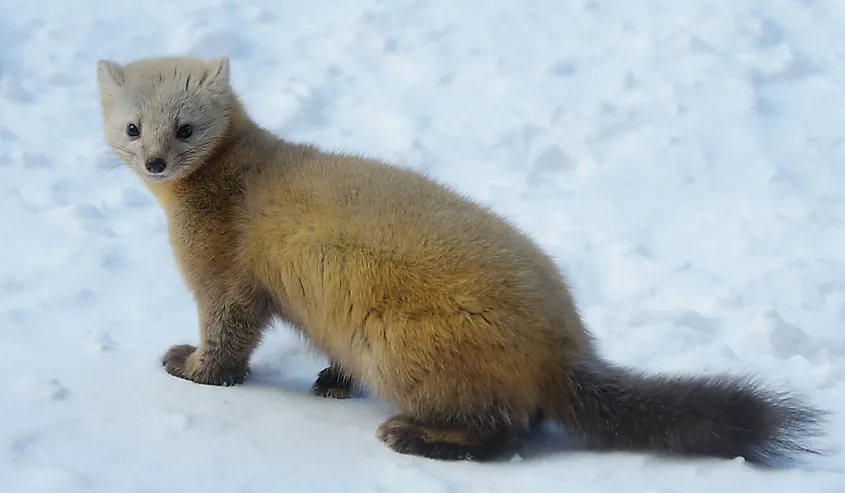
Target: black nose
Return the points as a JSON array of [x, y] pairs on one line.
[[156, 165]]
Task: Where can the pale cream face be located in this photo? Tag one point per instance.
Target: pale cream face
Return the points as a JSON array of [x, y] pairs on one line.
[[162, 117]]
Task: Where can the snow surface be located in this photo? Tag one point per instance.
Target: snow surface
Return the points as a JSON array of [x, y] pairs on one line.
[[684, 161]]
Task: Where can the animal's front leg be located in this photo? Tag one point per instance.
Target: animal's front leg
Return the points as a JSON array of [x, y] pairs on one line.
[[229, 332]]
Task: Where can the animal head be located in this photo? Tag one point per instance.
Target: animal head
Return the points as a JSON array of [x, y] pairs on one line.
[[164, 116]]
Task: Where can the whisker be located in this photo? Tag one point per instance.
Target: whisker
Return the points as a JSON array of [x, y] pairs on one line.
[[118, 148]]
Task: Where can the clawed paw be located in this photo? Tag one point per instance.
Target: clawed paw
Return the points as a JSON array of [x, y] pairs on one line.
[[332, 383], [175, 360], [183, 361]]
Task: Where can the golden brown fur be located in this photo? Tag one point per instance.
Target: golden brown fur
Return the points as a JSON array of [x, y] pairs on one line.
[[429, 299]]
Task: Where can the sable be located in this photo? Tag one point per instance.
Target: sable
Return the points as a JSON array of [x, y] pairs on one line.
[[428, 299]]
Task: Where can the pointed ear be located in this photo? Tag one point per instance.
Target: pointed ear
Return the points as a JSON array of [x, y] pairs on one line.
[[110, 78], [110, 75], [218, 73]]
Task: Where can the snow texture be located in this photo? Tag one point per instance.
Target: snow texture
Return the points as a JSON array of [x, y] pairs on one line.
[[683, 160]]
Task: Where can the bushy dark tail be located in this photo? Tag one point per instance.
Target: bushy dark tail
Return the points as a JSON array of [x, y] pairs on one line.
[[613, 408]]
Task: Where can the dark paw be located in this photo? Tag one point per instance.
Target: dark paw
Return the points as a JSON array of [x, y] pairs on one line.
[[175, 360], [406, 436], [396, 431], [331, 382], [224, 377], [183, 361], [402, 435]]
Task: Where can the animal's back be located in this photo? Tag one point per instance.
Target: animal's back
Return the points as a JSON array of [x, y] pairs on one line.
[[392, 215]]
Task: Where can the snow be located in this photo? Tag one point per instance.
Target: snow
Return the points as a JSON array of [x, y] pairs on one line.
[[682, 160]]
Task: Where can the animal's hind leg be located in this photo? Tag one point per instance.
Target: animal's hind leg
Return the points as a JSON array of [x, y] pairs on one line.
[[333, 382], [478, 439]]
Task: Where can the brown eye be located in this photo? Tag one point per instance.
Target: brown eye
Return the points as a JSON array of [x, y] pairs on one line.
[[184, 132], [132, 130]]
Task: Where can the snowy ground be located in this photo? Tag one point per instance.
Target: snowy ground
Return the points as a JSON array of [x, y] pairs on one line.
[[684, 161]]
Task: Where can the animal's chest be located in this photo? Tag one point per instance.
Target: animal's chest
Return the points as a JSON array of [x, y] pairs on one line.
[[203, 249]]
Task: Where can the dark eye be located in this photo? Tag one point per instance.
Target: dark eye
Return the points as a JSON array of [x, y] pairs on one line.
[[132, 130], [184, 132]]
